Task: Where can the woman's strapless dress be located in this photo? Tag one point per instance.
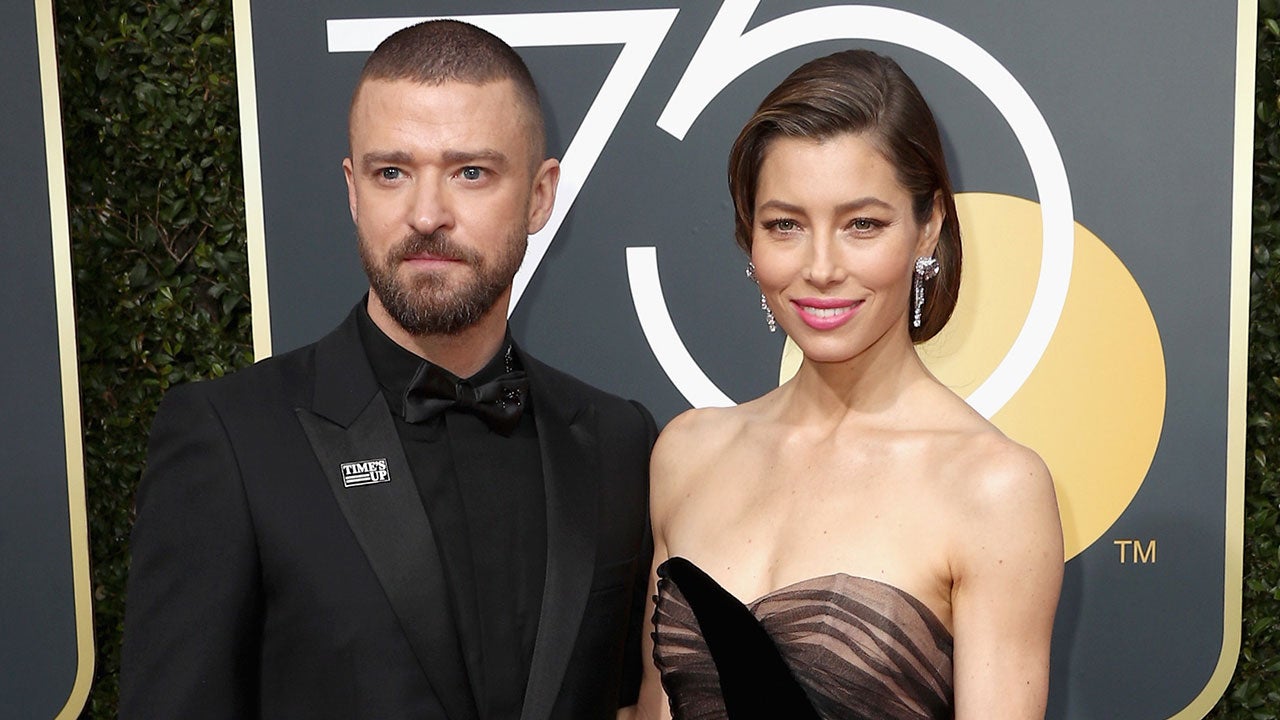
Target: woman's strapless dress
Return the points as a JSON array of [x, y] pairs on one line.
[[830, 647]]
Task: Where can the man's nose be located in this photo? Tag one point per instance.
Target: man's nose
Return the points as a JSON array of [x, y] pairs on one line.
[[431, 209]]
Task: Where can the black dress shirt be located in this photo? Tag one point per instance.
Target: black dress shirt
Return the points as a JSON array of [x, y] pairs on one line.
[[484, 496]]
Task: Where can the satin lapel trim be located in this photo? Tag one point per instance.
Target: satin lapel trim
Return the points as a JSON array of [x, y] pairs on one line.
[[570, 471], [392, 528]]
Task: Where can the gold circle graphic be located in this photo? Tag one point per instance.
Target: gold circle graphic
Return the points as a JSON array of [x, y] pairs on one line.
[[1094, 405]]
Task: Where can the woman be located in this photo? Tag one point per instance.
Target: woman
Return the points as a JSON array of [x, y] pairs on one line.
[[858, 543]]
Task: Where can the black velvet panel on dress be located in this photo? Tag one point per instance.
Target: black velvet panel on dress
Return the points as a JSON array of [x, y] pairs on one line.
[[831, 647]]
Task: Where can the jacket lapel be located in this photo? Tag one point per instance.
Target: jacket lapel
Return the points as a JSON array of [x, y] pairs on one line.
[[350, 423], [570, 468]]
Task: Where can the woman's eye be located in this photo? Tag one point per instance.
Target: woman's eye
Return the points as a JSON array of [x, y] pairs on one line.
[[866, 225], [782, 225], [471, 173]]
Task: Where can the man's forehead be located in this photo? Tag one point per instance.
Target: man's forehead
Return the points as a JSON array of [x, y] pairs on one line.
[[502, 90], [398, 100], [494, 105]]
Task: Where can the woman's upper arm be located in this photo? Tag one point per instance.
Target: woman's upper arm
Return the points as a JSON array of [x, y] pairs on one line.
[[671, 460], [1006, 580], [652, 704]]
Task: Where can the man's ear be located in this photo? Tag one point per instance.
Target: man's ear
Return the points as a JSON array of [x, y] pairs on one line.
[[349, 171], [542, 198]]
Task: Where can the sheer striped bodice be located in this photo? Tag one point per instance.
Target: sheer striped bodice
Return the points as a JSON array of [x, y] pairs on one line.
[[830, 647]]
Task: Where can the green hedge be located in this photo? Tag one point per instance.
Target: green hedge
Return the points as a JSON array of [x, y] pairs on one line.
[[158, 246], [1255, 689], [158, 241]]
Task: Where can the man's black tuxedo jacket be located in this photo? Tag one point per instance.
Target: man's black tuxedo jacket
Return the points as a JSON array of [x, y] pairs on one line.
[[262, 587]]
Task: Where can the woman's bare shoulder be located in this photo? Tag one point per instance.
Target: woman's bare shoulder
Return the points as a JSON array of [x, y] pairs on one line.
[[1001, 470], [984, 464], [1001, 490], [690, 433], [688, 448]]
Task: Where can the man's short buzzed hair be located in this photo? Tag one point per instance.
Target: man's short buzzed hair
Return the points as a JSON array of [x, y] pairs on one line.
[[440, 51]]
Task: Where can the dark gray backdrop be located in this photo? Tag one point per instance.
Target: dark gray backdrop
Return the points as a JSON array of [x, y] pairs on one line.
[[1139, 96], [39, 651]]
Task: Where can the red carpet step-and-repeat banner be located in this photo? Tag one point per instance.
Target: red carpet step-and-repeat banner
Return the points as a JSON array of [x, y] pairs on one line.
[[1101, 152], [46, 628]]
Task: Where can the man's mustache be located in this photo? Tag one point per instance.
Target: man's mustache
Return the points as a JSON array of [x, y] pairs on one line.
[[437, 244]]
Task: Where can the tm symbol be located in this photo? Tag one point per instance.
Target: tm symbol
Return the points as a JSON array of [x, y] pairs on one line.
[[1134, 551]]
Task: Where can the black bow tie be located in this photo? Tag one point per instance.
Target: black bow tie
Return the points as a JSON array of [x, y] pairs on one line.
[[498, 402]]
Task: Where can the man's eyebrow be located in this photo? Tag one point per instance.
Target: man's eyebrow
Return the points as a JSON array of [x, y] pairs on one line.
[[389, 157], [464, 157], [379, 158]]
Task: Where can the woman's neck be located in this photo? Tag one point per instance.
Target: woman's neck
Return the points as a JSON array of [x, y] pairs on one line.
[[869, 384]]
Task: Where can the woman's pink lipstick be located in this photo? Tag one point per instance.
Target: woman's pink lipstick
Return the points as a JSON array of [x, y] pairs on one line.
[[826, 313]]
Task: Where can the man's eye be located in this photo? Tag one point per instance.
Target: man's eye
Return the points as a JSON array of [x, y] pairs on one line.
[[390, 173], [471, 173]]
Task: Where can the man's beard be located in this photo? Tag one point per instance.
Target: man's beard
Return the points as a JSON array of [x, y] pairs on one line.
[[423, 303]]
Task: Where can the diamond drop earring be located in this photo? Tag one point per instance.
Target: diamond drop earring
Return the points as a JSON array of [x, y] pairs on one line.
[[927, 268], [764, 304]]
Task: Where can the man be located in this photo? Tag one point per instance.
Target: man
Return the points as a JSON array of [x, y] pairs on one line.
[[410, 518]]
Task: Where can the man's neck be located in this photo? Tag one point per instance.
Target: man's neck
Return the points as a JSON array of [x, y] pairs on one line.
[[462, 353]]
